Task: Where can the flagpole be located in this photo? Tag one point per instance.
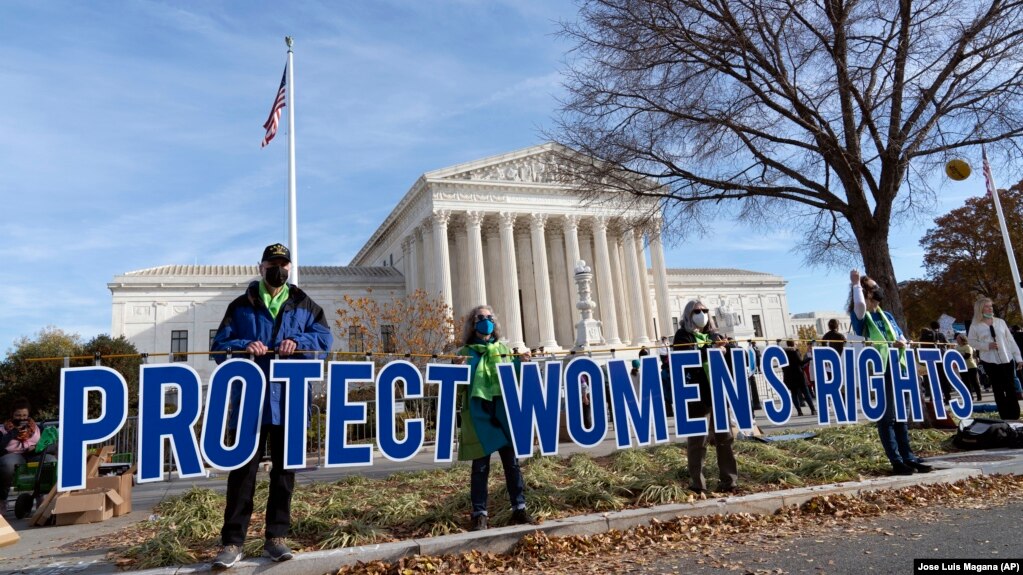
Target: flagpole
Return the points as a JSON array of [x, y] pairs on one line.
[[292, 201], [993, 190]]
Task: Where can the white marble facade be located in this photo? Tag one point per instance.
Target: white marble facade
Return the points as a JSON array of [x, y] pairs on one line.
[[506, 231], [818, 320]]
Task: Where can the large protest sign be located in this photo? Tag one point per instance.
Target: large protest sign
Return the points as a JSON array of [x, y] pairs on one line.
[[536, 400]]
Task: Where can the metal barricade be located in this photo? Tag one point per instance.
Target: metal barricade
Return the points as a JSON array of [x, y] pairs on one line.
[[424, 408]]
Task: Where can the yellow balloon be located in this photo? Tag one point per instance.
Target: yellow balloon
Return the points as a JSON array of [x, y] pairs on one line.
[[957, 169]]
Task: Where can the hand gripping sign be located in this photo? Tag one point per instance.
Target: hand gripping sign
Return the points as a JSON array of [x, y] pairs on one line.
[[535, 401]]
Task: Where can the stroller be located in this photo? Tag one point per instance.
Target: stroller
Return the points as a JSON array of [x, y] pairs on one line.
[[45, 473]]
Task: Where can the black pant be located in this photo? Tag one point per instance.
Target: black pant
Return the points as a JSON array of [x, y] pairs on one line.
[[241, 486], [973, 381], [754, 394], [1003, 386], [800, 392]]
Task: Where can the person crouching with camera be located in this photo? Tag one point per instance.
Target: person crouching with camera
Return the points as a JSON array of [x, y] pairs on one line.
[[20, 436]]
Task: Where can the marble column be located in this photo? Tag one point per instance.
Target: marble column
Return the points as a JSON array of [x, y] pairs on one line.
[[459, 271], [632, 276], [544, 312], [415, 264], [512, 317], [621, 294], [560, 295], [406, 263], [418, 255], [660, 281], [527, 285], [494, 271], [644, 284], [475, 280], [442, 259], [605, 291], [586, 254], [572, 256], [430, 261]]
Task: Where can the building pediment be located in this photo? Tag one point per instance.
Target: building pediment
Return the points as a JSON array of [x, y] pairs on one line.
[[542, 164], [533, 170]]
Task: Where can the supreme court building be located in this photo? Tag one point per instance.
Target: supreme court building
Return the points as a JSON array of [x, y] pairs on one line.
[[505, 230]]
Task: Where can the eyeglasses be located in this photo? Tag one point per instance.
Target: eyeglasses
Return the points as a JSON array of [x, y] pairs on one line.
[[696, 311], [482, 317]]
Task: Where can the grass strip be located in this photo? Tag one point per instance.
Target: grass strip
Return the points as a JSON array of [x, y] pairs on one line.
[[359, 511]]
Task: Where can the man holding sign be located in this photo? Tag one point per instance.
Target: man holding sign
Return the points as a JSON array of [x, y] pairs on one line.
[[271, 315]]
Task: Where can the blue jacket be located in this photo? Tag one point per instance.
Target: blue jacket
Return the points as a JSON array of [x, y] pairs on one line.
[[247, 319]]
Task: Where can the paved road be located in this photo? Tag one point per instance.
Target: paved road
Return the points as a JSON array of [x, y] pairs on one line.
[[878, 545]]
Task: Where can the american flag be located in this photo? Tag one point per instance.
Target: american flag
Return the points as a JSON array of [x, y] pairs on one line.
[[275, 112], [989, 180]]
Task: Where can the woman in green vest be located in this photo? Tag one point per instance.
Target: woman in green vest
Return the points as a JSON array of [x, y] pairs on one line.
[[484, 428], [878, 327]]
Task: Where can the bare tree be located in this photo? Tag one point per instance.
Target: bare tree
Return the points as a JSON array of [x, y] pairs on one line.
[[827, 113]]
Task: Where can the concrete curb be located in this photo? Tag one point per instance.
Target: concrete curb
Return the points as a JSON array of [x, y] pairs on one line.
[[504, 539]]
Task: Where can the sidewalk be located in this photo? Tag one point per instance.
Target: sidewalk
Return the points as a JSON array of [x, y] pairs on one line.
[[51, 550]]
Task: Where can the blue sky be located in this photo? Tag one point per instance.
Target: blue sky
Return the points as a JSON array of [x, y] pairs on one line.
[[132, 134]]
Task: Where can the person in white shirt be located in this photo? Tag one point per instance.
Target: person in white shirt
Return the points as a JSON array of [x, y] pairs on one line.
[[996, 349]]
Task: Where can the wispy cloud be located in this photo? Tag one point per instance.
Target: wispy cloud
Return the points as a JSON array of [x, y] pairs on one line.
[[137, 127]]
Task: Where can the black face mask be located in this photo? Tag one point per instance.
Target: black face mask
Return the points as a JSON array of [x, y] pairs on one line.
[[276, 276], [19, 423], [877, 294]]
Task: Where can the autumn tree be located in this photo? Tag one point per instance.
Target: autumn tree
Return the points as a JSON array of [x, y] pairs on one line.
[[38, 381], [413, 324], [32, 367], [804, 335], [827, 115], [965, 258]]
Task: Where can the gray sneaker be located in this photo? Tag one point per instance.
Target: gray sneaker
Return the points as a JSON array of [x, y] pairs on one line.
[[479, 523], [276, 549], [228, 556]]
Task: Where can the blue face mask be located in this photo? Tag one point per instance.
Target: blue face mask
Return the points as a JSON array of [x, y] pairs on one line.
[[485, 326]]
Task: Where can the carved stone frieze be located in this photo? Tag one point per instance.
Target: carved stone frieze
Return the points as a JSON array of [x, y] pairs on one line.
[[469, 196], [532, 169]]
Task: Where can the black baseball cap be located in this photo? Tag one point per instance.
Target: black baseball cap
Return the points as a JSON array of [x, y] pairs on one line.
[[276, 251]]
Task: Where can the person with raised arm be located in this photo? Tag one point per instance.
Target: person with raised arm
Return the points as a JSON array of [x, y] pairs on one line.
[[880, 330]]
